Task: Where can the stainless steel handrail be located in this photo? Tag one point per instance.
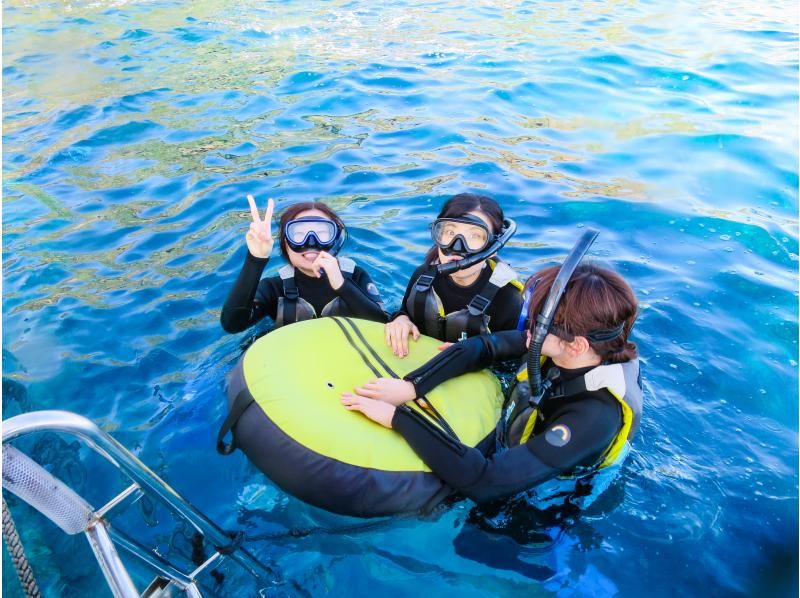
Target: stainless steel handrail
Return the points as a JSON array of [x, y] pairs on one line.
[[148, 482], [114, 571]]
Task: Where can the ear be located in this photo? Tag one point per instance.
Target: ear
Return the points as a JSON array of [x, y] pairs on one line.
[[578, 347]]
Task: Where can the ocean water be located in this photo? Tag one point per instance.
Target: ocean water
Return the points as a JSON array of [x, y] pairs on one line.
[[132, 132]]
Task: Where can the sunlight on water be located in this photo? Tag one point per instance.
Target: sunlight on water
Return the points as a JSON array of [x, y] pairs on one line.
[[133, 131]]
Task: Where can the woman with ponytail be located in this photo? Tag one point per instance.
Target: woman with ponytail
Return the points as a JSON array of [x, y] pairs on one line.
[[582, 422]]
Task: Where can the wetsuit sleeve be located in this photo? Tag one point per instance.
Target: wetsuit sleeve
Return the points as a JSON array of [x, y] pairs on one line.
[[403, 311], [590, 428], [248, 301], [470, 355], [362, 296], [507, 306]]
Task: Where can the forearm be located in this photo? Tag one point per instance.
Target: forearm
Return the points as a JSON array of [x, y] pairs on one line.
[[238, 312], [470, 355], [465, 468], [360, 303]]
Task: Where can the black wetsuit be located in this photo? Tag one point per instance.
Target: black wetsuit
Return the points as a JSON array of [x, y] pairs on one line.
[[251, 298], [503, 311], [592, 418]]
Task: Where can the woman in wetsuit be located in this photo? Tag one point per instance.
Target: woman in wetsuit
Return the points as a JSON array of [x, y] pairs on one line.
[[314, 283], [578, 420], [474, 300]]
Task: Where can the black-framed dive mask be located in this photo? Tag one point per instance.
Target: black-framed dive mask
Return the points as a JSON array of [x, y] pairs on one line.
[[313, 232], [463, 235]]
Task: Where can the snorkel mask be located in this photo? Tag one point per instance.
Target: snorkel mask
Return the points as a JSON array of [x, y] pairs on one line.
[[314, 233], [544, 320], [469, 237]]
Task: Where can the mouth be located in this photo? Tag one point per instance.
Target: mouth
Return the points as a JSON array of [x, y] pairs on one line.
[[310, 255]]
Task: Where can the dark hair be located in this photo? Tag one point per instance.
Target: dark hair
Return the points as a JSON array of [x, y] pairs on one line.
[[292, 212], [595, 299], [462, 204]]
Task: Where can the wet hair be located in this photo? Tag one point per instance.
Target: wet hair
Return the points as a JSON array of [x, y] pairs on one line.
[[461, 205], [294, 210], [595, 299]]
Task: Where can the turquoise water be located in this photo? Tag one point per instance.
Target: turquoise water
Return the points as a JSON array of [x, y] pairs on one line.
[[133, 131]]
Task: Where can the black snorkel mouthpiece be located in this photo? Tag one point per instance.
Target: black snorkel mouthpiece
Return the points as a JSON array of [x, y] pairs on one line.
[[545, 317], [508, 230]]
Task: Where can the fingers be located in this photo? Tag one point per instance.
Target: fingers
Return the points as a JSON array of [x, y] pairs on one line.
[[316, 266], [369, 393], [387, 333], [444, 346], [404, 343], [268, 213], [252, 234], [256, 230], [396, 341], [390, 334], [371, 390], [323, 261], [396, 335], [253, 209], [327, 260], [353, 401], [350, 402]]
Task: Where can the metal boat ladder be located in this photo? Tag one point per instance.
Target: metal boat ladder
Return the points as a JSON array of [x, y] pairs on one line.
[[36, 486]]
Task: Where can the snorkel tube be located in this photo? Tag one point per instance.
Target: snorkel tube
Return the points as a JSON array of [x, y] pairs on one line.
[[545, 317], [508, 230]]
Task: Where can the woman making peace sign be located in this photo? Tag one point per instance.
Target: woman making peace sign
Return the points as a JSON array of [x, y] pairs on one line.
[[315, 282]]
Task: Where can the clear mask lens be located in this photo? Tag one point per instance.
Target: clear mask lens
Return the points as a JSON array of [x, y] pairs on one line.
[[474, 236], [297, 231]]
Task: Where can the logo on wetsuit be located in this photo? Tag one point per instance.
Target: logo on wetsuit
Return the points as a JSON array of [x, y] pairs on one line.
[[558, 435]]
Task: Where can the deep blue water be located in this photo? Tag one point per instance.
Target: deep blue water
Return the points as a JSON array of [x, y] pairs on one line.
[[133, 131]]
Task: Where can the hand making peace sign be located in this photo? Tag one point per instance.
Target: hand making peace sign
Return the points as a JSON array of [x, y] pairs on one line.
[[259, 237]]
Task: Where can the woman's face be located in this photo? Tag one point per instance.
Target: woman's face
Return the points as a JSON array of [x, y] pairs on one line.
[[551, 347], [458, 228], [304, 260]]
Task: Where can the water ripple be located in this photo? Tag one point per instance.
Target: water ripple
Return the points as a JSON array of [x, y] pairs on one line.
[[133, 131]]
